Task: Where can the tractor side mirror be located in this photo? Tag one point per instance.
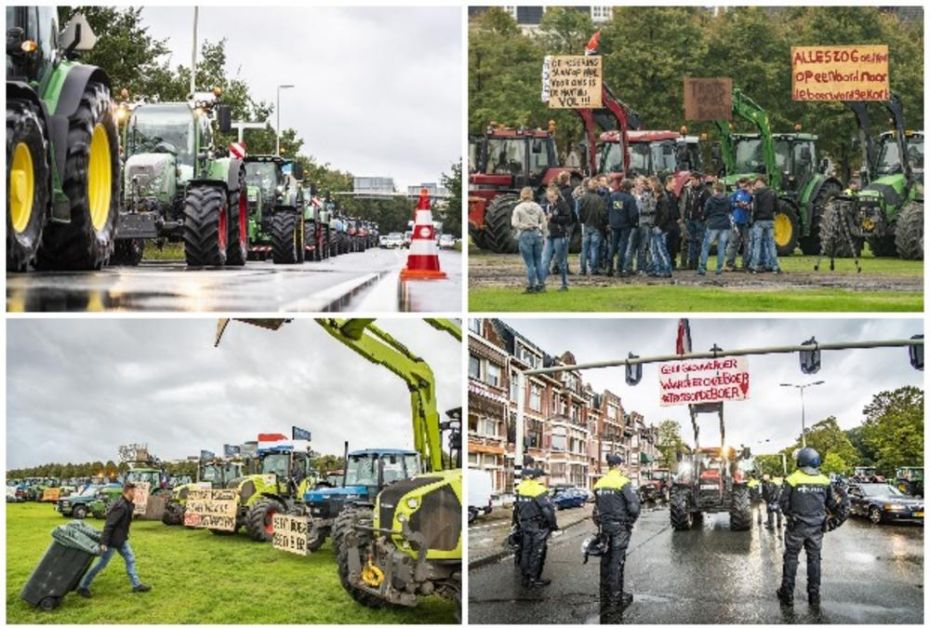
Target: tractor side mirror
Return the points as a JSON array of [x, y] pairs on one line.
[[297, 170], [224, 118], [77, 35], [14, 40]]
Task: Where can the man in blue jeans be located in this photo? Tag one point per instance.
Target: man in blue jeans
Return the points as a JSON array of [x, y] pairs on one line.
[[593, 215], [621, 214], [764, 252], [115, 538], [717, 217]]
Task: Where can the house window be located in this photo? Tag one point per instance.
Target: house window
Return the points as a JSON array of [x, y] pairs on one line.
[[611, 412], [488, 427], [601, 13], [472, 459], [559, 439], [514, 392], [494, 375], [474, 325], [528, 357], [474, 367], [536, 397]]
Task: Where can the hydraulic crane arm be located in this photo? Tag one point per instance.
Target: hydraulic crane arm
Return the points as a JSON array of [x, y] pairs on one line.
[[896, 111], [614, 114], [750, 111], [379, 347]]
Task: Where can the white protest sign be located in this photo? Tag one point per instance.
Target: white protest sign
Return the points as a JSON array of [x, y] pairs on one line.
[[704, 381]]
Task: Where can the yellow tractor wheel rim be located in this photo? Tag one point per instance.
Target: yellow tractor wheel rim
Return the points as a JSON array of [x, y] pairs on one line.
[[372, 575], [782, 229], [99, 178], [22, 187]]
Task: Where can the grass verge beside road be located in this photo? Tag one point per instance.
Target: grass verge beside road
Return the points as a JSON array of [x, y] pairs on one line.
[[197, 577]]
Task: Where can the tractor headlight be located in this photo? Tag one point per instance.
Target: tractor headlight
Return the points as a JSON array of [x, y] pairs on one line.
[[412, 503]]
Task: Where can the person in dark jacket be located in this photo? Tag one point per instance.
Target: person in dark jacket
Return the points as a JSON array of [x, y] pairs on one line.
[[593, 215], [664, 219], [616, 508], [620, 216], [555, 252], [764, 253], [770, 493], [641, 235], [565, 190], [717, 221], [694, 198], [804, 499], [535, 516], [673, 234], [115, 538]]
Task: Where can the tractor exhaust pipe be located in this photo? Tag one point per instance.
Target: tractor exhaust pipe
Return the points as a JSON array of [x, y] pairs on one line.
[[345, 462]]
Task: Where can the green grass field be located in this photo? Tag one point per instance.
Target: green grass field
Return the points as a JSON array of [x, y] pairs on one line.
[[197, 577]]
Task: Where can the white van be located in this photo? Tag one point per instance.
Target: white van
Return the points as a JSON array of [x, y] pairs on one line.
[[480, 493]]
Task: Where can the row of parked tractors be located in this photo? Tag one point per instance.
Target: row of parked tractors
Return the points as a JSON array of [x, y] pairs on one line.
[[88, 183], [817, 212]]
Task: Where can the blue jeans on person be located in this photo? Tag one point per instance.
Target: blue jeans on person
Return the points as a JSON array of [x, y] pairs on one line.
[[695, 239], [739, 236], [590, 249], [764, 252], [721, 236], [557, 248], [637, 245], [658, 249], [126, 553], [619, 238], [531, 246]]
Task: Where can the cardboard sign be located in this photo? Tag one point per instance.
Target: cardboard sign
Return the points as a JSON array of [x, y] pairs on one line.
[[708, 99], [51, 494], [572, 81], [836, 73], [291, 533], [704, 381], [140, 498], [211, 509]]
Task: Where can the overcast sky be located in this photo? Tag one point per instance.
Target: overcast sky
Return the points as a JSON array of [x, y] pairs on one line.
[[78, 389], [851, 377], [377, 90]]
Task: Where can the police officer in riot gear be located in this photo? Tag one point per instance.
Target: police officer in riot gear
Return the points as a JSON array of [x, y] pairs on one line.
[[616, 508], [770, 494], [535, 516], [805, 497]]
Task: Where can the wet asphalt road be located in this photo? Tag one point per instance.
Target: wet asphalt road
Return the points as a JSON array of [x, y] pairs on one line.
[[356, 281], [871, 574]]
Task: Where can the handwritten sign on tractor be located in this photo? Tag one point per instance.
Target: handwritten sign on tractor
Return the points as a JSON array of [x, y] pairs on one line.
[[572, 81], [140, 498], [836, 73], [704, 381], [211, 509], [291, 533], [708, 99], [51, 494]]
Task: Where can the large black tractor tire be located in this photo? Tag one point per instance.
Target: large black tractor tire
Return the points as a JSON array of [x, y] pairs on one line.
[[92, 184], [174, 514], [883, 246], [206, 213], [499, 232], [679, 508], [832, 239], [810, 245], [128, 252], [478, 238], [28, 188], [237, 248], [259, 520], [786, 229], [346, 531], [741, 509], [79, 512], [286, 240], [909, 232]]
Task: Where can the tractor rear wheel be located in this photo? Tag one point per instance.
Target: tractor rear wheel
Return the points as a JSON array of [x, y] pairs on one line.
[[260, 521], [286, 240], [206, 214], [832, 237], [91, 183], [740, 509], [499, 232], [909, 232], [786, 229], [27, 184], [237, 249], [347, 537], [810, 245], [680, 509]]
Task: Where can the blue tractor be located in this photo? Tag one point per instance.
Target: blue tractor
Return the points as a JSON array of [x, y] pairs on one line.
[[367, 472]]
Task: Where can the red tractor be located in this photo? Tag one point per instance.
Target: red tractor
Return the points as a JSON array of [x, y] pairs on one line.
[[655, 485], [663, 153]]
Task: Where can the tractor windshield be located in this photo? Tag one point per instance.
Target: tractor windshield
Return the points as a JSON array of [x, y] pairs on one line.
[[278, 464], [160, 129], [506, 156], [639, 158], [663, 157], [749, 158], [211, 474], [611, 158], [889, 157], [362, 469], [263, 175], [151, 477], [232, 472], [693, 160]]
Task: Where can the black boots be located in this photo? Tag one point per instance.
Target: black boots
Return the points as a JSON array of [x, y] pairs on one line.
[[785, 595]]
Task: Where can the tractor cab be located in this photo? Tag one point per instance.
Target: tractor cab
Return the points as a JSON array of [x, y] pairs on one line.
[[889, 161], [910, 480], [291, 464], [221, 473], [796, 158], [154, 477], [663, 153]]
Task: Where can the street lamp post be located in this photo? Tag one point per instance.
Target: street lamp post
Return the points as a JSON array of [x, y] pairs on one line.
[[801, 387], [277, 127]]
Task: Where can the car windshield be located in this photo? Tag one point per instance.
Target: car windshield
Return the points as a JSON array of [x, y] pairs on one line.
[[878, 490], [506, 156], [90, 490], [362, 470], [748, 155], [276, 464], [263, 175], [154, 125]]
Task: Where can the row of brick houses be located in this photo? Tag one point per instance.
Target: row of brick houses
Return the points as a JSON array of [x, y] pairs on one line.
[[569, 428]]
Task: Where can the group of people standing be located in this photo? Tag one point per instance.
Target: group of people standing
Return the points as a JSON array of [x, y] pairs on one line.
[[634, 226]]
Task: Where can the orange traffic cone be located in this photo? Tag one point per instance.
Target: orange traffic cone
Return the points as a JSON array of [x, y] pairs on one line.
[[423, 259]]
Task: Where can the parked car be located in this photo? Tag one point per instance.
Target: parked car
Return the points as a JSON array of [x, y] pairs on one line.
[[92, 500], [446, 241], [394, 240], [883, 503], [408, 238], [480, 493], [568, 497]]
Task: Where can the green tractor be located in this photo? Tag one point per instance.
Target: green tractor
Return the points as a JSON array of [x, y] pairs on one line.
[[218, 474], [62, 146], [276, 208], [794, 173], [910, 480], [888, 210], [179, 186]]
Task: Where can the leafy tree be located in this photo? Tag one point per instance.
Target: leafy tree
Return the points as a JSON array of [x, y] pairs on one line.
[[669, 442], [770, 464], [894, 428], [452, 211], [565, 30], [329, 463], [833, 463], [826, 437]]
